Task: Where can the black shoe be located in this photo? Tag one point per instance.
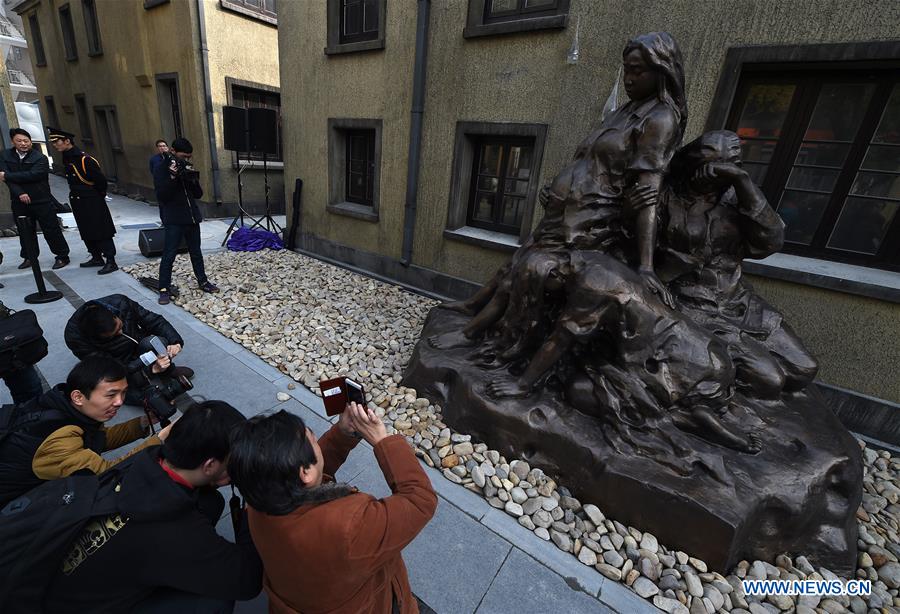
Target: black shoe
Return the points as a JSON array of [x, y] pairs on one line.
[[185, 371], [61, 261], [109, 267], [26, 264], [94, 261]]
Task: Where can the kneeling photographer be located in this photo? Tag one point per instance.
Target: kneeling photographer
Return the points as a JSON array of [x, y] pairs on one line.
[[117, 326]]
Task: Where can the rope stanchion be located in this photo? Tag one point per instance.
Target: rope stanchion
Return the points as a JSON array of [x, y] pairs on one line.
[[27, 230]]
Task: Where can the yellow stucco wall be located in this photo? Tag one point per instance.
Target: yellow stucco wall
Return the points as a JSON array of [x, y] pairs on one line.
[[525, 78]]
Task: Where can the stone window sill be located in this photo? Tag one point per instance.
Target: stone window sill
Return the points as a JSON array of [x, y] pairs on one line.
[[272, 165], [360, 212], [552, 22], [837, 276], [338, 49], [483, 238]]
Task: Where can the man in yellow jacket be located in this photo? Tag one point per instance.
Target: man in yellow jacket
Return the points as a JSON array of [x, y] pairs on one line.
[[62, 431]]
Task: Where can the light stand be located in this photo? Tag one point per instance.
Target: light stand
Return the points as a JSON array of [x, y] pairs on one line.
[[241, 213], [271, 224]]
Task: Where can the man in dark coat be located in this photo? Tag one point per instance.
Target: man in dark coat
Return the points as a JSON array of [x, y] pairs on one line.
[[25, 171], [87, 194], [177, 186], [114, 326]]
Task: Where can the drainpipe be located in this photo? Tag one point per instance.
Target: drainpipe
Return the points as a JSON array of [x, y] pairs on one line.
[[415, 130], [207, 96]]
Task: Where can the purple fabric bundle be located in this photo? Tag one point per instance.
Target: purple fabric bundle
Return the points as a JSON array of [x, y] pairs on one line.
[[246, 239]]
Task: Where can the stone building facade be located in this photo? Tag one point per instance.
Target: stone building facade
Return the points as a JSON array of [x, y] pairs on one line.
[[518, 84], [121, 74]]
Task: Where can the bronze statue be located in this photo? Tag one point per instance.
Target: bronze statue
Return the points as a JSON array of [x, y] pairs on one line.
[[621, 350]]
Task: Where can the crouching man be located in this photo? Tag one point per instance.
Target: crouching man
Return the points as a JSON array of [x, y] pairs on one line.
[[62, 431], [114, 325], [325, 546], [161, 553]]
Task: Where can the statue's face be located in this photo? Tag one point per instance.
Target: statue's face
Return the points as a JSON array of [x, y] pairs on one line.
[[640, 79]]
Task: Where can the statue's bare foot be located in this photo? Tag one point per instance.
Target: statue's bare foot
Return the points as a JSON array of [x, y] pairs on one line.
[[754, 443], [463, 307], [515, 389], [453, 339]]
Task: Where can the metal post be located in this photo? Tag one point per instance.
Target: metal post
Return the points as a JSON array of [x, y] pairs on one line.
[[27, 230]]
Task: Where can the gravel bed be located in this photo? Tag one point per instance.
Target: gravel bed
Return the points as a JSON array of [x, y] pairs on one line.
[[313, 320]]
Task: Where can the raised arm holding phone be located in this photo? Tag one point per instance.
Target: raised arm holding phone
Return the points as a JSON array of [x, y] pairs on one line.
[[325, 545]]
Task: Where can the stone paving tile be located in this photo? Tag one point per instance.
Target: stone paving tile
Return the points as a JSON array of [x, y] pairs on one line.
[[523, 586], [452, 562], [576, 573], [258, 365]]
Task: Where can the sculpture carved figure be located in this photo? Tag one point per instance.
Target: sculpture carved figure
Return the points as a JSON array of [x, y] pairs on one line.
[[623, 333]]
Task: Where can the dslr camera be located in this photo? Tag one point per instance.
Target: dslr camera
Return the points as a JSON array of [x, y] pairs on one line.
[[162, 389], [182, 170]]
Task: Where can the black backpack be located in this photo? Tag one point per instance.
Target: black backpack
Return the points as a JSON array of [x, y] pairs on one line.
[[37, 530], [22, 342]]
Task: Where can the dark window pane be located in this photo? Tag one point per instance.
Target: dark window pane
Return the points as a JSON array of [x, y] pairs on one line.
[[818, 179], [500, 6], [519, 161], [490, 160], [517, 188], [351, 23], [862, 225], [822, 154], [539, 3], [483, 207], [801, 212], [839, 111], [876, 184], [882, 158], [757, 172], [757, 151], [370, 16], [489, 184], [512, 209], [764, 110], [889, 127]]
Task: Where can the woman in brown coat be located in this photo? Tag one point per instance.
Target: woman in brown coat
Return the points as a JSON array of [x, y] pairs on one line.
[[325, 546]]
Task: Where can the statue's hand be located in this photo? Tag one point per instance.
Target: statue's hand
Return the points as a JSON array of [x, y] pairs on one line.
[[652, 283], [639, 197], [717, 172], [515, 389]]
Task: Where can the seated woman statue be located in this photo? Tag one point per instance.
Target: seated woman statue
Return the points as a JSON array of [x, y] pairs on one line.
[[584, 203], [712, 216], [638, 361]]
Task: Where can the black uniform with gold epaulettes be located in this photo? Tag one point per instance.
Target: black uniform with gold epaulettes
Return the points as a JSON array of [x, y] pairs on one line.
[[87, 195]]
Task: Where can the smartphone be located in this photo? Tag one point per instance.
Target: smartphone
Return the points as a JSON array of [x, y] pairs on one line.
[[355, 392]]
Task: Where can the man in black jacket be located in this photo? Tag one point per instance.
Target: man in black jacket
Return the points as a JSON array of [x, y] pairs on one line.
[[114, 325], [87, 195], [162, 553], [177, 184], [25, 170]]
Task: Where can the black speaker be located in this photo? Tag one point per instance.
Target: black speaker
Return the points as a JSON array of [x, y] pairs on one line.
[[234, 120], [152, 240], [263, 128]]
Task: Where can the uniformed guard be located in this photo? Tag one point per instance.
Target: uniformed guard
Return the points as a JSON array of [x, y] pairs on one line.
[[87, 195]]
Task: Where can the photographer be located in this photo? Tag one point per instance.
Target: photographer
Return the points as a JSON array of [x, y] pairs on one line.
[[177, 186], [327, 547], [87, 195], [162, 553], [62, 431], [114, 325]]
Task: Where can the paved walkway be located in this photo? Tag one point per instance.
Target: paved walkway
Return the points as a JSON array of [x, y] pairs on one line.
[[470, 558]]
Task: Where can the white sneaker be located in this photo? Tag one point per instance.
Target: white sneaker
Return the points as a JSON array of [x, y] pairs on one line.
[[108, 198]]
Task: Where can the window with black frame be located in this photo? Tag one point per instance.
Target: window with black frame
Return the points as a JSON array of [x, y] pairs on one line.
[[263, 9], [507, 10], [68, 32], [37, 41], [359, 20], [359, 167], [250, 98], [825, 149], [84, 120], [92, 27], [501, 172]]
